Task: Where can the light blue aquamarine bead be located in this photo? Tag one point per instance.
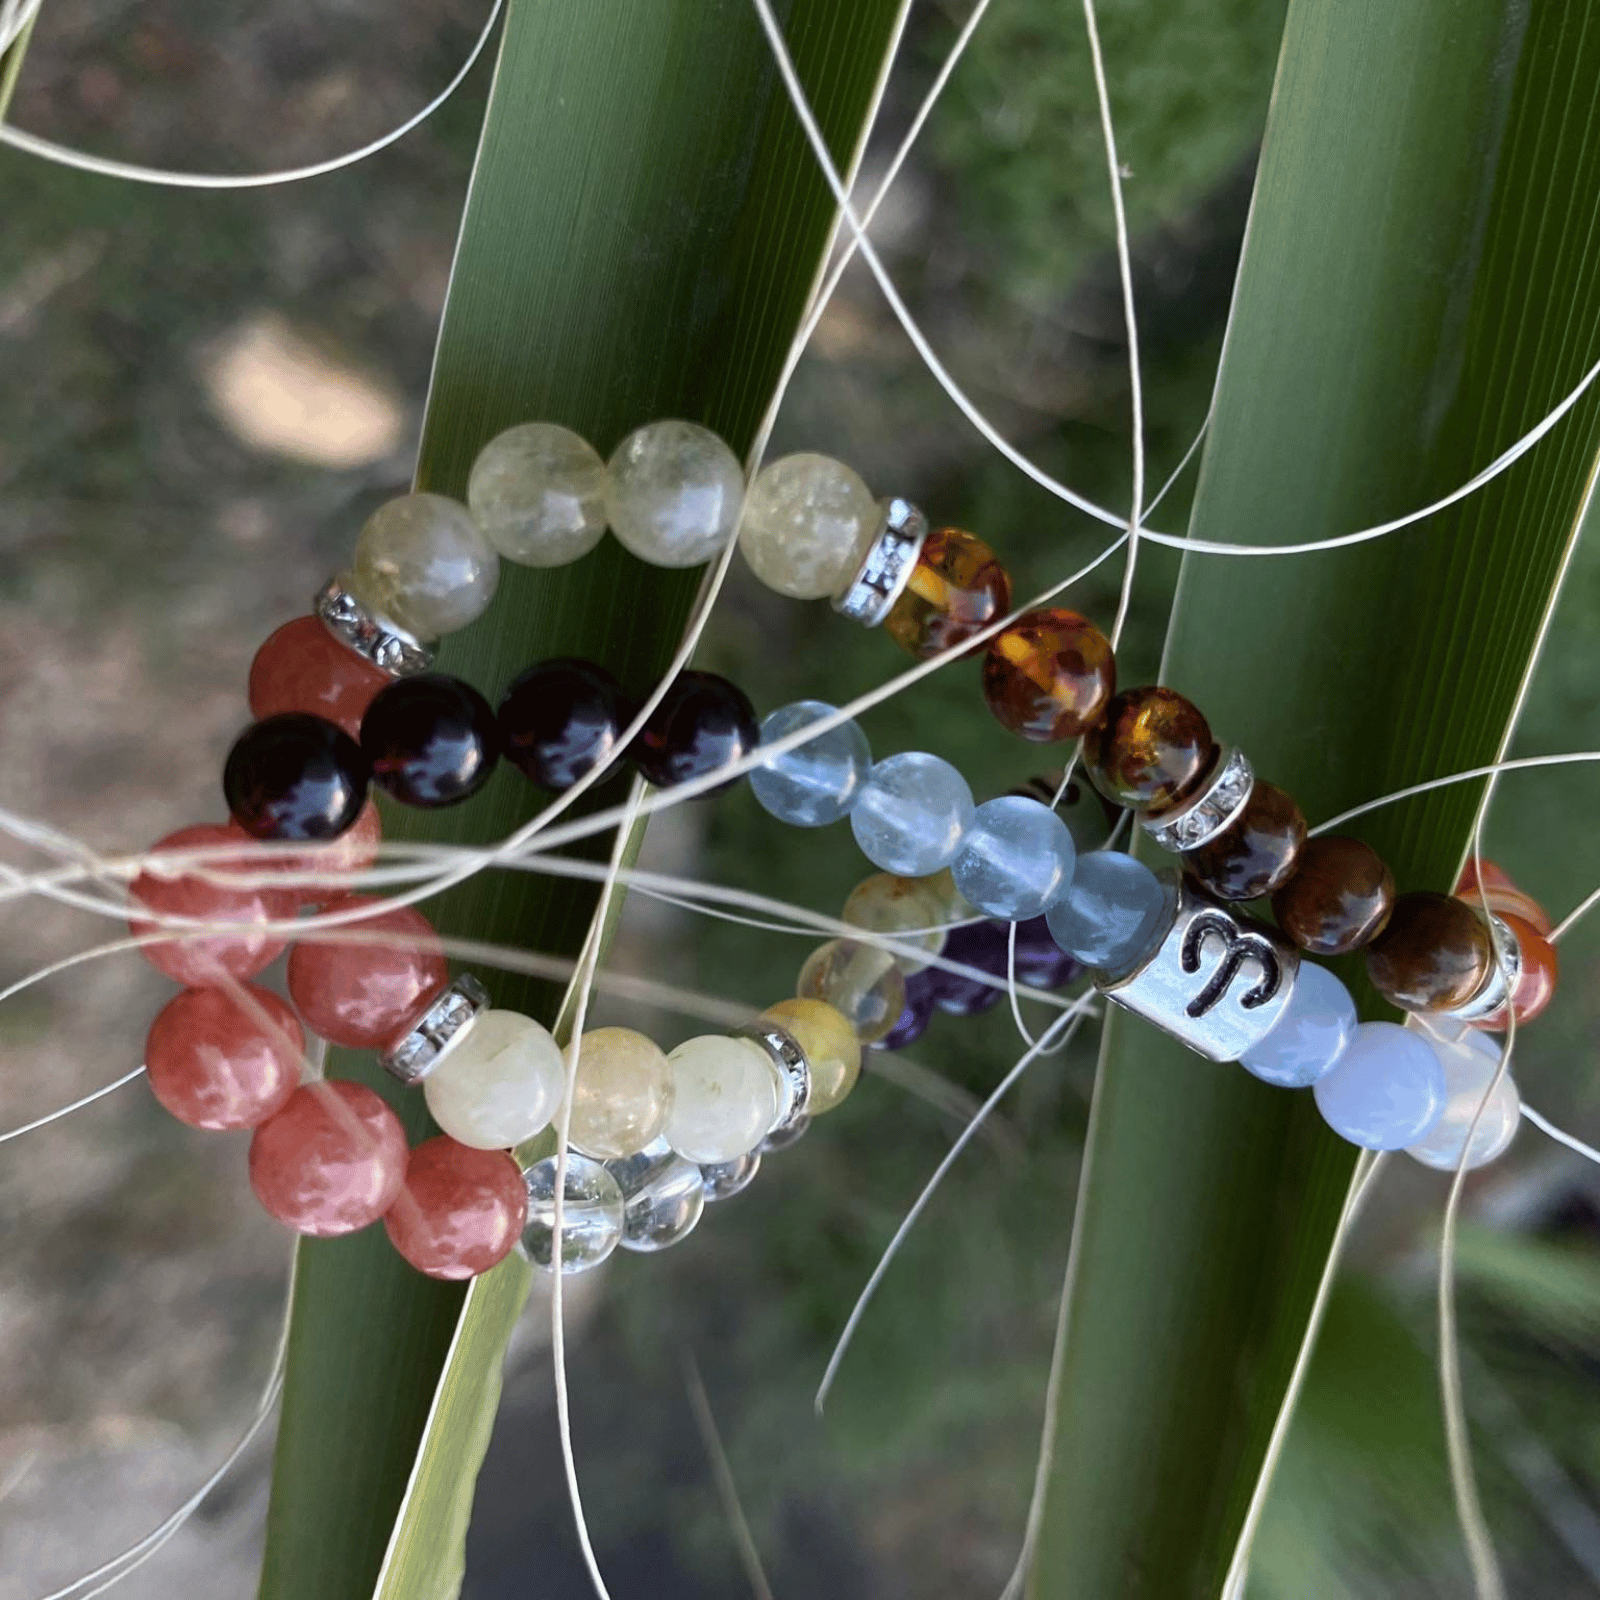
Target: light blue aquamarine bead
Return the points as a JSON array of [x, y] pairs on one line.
[[814, 783], [1313, 1032], [1107, 916], [911, 813], [1015, 858], [1386, 1091]]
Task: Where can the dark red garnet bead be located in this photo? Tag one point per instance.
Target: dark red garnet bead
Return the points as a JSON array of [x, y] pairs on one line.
[[703, 723], [295, 777], [561, 719], [432, 740]]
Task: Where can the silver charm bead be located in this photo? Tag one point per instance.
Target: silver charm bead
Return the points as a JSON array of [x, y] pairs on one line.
[[443, 1025], [1217, 981], [724, 1179], [372, 637], [1221, 798], [1505, 973], [794, 1075], [886, 567]]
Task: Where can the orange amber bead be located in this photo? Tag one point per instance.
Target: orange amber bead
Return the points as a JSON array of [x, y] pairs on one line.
[[1434, 955], [1536, 984], [1150, 751], [956, 589], [1504, 897], [1256, 851], [1049, 675], [1339, 897]]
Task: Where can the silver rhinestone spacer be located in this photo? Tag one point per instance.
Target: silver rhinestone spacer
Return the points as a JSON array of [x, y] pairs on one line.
[[372, 637], [443, 1025], [1504, 976], [1222, 797], [886, 567], [794, 1075]]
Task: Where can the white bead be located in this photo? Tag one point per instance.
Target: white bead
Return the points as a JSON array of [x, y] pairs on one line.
[[1385, 1092], [500, 1085], [538, 493], [1470, 1063], [673, 491], [422, 562], [807, 520], [622, 1094], [725, 1098]]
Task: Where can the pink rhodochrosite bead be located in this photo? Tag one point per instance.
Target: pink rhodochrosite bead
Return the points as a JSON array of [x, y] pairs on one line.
[[216, 1060], [331, 1161], [351, 853], [366, 982], [302, 667], [461, 1210], [199, 960]]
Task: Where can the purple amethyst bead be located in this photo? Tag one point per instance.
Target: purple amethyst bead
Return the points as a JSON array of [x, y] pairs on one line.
[[915, 1017], [975, 944], [1041, 962]]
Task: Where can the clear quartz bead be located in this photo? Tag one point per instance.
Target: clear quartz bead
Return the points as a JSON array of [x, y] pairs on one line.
[[807, 520], [726, 1096], [422, 563], [1016, 858], [591, 1214], [1470, 1064], [724, 1179], [673, 491], [662, 1196], [500, 1084], [622, 1094], [911, 814], [538, 493], [815, 783]]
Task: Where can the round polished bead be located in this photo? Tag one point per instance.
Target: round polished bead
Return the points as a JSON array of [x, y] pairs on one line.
[[663, 1197], [1256, 852], [432, 740], [1338, 897], [702, 723], [910, 910], [302, 667], [1040, 962], [911, 814], [323, 873], [1386, 1091], [217, 1060], [724, 1179], [622, 1094], [817, 782], [1109, 914], [500, 1085], [363, 984], [725, 1098], [1434, 954], [422, 562], [1470, 1064], [1151, 750], [806, 521], [537, 491], [1539, 968], [984, 946], [860, 982], [1016, 858], [832, 1050], [331, 1161], [561, 719], [295, 777], [1310, 1035], [956, 589], [460, 1212], [591, 1214], [1504, 897], [1049, 675], [915, 1015], [673, 491]]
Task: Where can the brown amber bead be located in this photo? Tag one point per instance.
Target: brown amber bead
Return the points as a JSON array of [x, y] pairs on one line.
[[1256, 851], [1339, 898], [1434, 955], [1049, 675], [956, 589], [1150, 751]]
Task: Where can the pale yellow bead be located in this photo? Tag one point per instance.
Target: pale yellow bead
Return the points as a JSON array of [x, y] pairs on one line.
[[538, 493], [623, 1093], [887, 903], [673, 491], [807, 522], [725, 1098], [832, 1050], [500, 1085], [951, 904], [859, 981], [422, 562]]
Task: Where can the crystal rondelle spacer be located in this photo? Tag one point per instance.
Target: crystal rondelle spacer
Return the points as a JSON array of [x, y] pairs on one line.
[[794, 1075], [373, 638], [887, 565], [441, 1026], [1222, 797], [1505, 973]]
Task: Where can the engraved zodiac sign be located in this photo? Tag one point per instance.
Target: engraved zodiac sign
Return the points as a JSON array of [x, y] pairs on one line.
[[1238, 945]]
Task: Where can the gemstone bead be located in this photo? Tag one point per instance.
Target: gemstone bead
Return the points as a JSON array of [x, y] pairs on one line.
[[218, 1061], [1108, 915], [833, 1052], [561, 719], [815, 783], [622, 1093], [331, 1161], [724, 1179], [725, 1097], [460, 1211], [1434, 954], [807, 519], [956, 589], [915, 1015], [1256, 852], [702, 723], [1040, 962], [1386, 1091], [537, 492], [1470, 1064], [323, 873], [1016, 858], [888, 903], [302, 667], [500, 1085], [295, 777], [1151, 750], [1338, 898], [1049, 675], [663, 1197], [363, 984], [860, 982], [1306, 1042], [911, 814], [422, 562], [1504, 897], [981, 945], [432, 740], [1536, 980], [673, 491], [591, 1214]]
